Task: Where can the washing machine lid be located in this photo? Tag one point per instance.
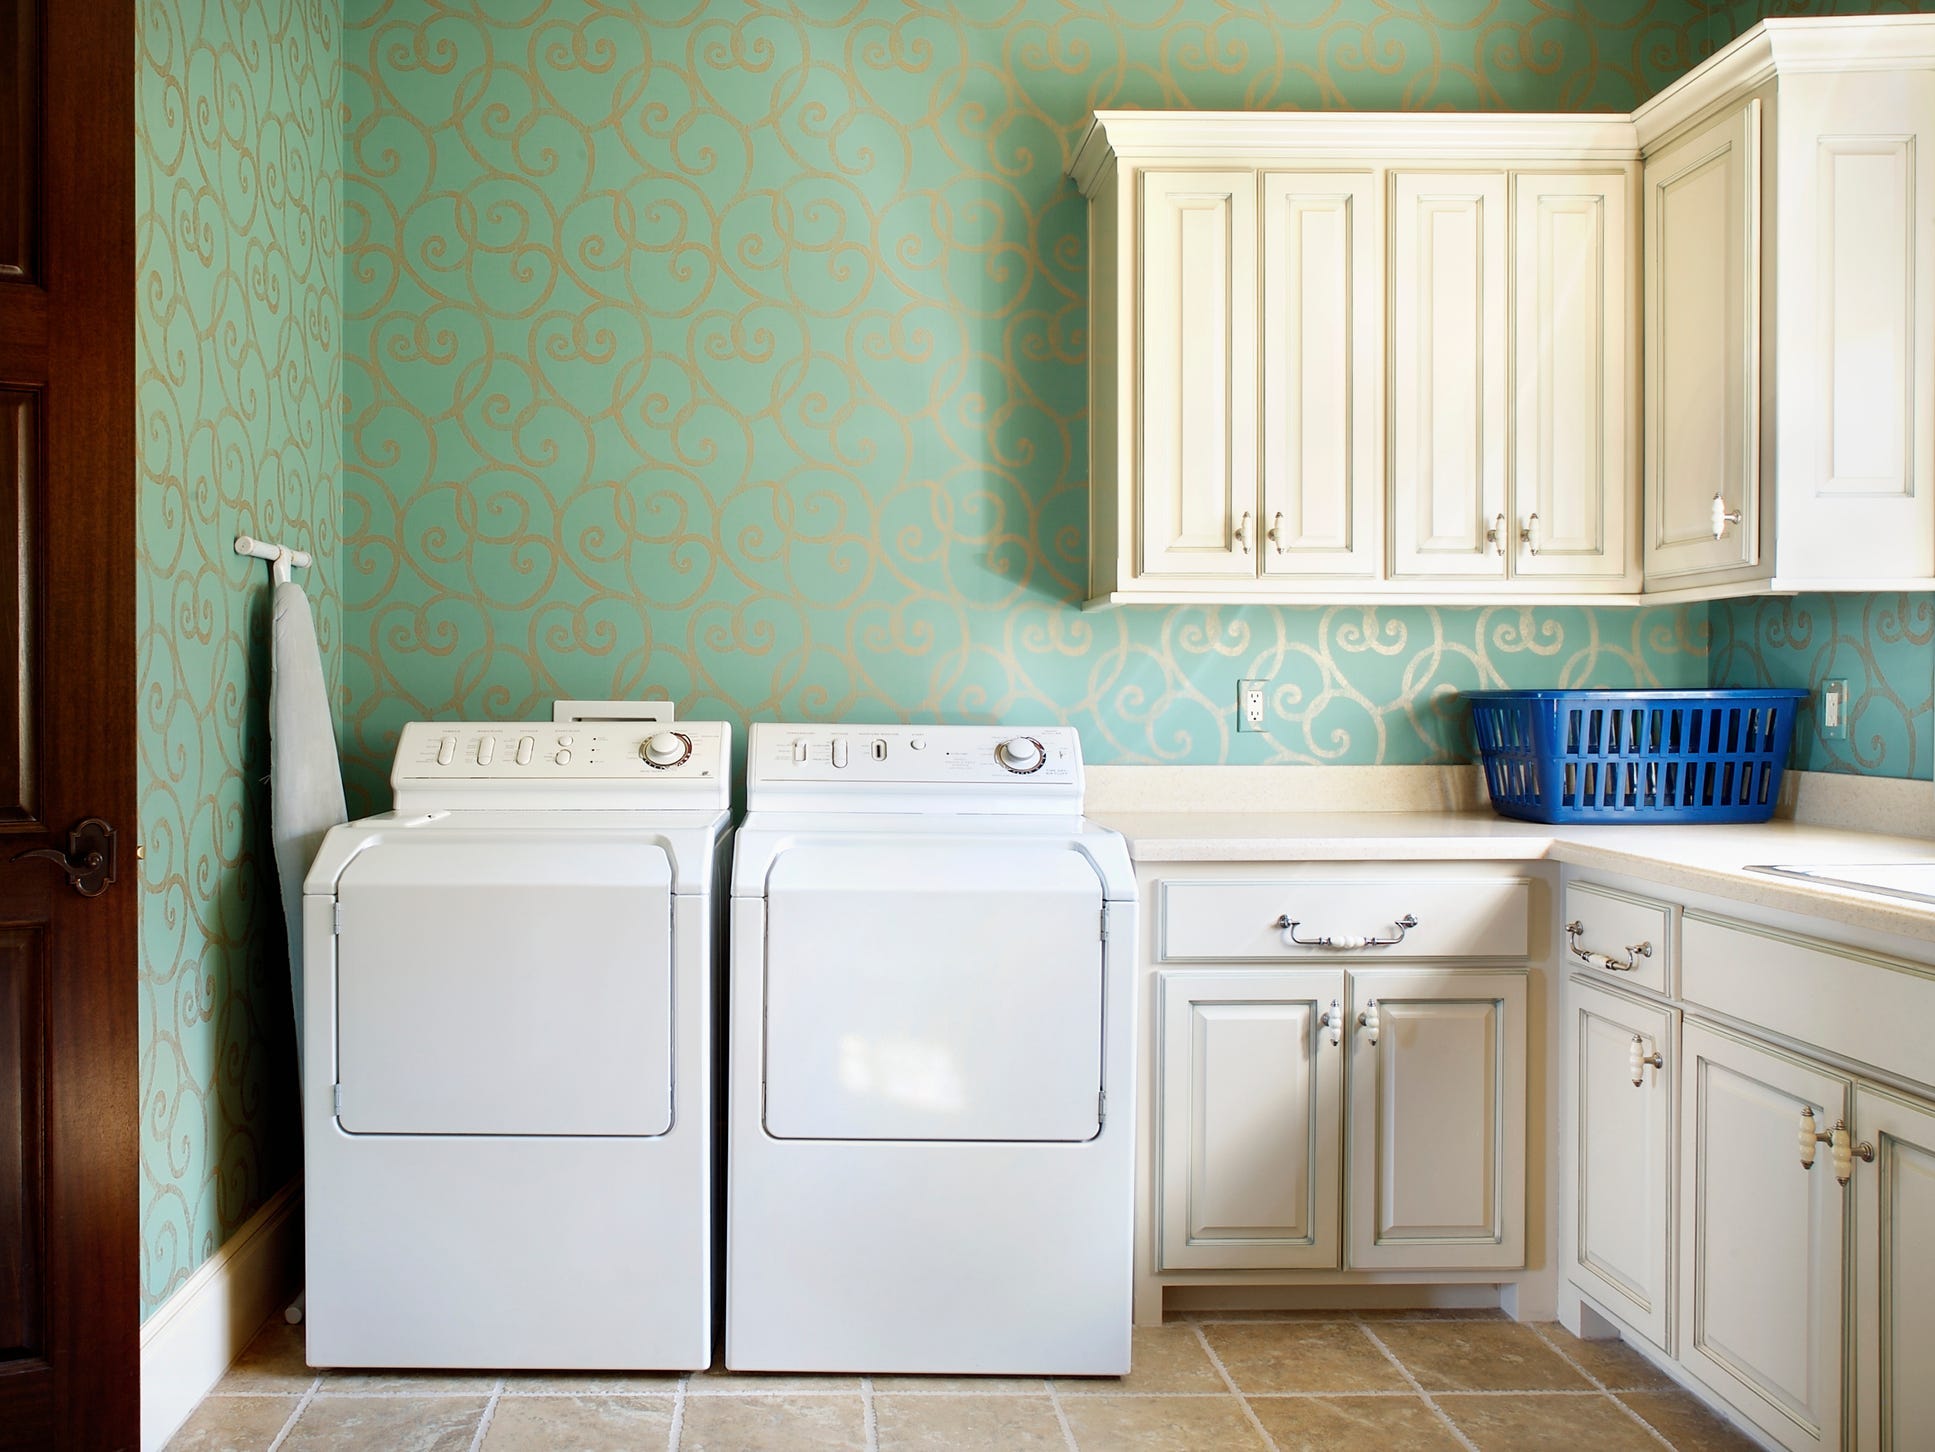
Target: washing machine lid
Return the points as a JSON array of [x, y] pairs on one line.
[[922, 988], [505, 986]]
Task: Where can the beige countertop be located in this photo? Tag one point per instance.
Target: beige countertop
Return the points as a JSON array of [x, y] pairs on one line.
[[1692, 858]]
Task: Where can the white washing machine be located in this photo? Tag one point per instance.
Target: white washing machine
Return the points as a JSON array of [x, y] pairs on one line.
[[930, 1151], [508, 1067]]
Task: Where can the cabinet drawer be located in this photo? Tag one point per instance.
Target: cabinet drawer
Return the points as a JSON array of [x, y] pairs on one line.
[[1456, 918], [1617, 929], [1867, 1008]]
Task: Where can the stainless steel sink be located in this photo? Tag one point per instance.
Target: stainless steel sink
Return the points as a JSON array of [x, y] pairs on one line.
[[1914, 881]]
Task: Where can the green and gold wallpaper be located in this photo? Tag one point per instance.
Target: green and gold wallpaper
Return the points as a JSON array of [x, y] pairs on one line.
[[735, 352], [238, 176]]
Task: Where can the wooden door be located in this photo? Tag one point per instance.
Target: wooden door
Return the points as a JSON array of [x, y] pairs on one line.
[[1762, 1239], [1572, 487], [1322, 407], [1894, 1261], [69, 1300], [1196, 466], [1702, 343], [1250, 1083], [1616, 1201], [1448, 405], [1436, 1124]]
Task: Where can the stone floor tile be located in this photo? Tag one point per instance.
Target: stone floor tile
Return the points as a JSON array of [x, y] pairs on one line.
[[233, 1424], [579, 1424], [393, 1423], [1435, 1313], [1478, 1356], [1614, 1363], [1160, 1424], [716, 1380], [1525, 1423], [272, 1362], [407, 1381], [967, 1424], [731, 1423], [1162, 1359], [1018, 1386], [1352, 1424], [591, 1383], [1312, 1357], [1688, 1425]]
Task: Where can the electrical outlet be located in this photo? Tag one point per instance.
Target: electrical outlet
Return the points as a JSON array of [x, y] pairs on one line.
[[1834, 710], [1251, 704]]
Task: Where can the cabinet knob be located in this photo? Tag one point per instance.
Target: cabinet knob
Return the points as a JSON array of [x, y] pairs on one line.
[[1641, 1059], [1845, 1151], [1495, 536], [1810, 1137], [1723, 516], [1333, 1019], [1276, 530], [1528, 534], [1367, 1020], [1242, 532]]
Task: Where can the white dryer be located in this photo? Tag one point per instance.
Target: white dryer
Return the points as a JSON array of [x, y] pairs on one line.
[[930, 1152], [508, 1068]]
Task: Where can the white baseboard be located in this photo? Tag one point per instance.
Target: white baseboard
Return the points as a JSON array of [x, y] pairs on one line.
[[195, 1336]]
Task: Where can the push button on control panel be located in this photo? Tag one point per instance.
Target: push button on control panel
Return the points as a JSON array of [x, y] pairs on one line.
[[486, 749], [525, 746], [446, 751], [840, 751]]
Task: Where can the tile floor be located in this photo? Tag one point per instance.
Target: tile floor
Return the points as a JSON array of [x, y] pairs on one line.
[[1387, 1381]]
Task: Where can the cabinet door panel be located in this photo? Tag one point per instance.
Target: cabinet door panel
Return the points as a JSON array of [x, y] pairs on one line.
[[1571, 488], [1196, 475], [1857, 327], [1448, 414], [1618, 1204], [1248, 1147], [1762, 1240], [1437, 1120], [1894, 1294], [1322, 410], [1702, 266]]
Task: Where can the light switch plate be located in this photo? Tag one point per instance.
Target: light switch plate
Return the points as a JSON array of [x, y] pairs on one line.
[[1834, 711]]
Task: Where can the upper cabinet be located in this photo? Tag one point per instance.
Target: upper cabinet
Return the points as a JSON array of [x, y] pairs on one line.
[[1360, 357], [1790, 312]]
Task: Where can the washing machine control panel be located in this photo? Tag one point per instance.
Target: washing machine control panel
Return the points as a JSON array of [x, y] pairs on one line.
[[1026, 764], [617, 764]]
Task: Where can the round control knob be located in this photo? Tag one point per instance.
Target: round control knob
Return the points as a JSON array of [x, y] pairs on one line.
[[1021, 754], [668, 748]]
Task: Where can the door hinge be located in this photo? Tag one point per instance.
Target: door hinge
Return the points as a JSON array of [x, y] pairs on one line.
[[338, 1100], [336, 921]]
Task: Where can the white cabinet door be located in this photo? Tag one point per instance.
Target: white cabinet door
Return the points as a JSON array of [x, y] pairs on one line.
[[1448, 406], [1196, 474], [1322, 406], [1894, 1290], [1617, 1206], [1856, 426], [1702, 367], [1572, 489], [1762, 1240], [1437, 1119], [1248, 1152]]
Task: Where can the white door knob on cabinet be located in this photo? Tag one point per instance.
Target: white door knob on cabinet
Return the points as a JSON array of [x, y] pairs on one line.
[[1333, 1020], [1810, 1137], [1368, 1021], [1276, 530], [1495, 536], [1528, 535], [1640, 1059], [667, 748], [1845, 1151], [1241, 534], [1723, 516]]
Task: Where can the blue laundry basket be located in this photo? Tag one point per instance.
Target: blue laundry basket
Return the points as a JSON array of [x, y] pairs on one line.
[[1635, 756]]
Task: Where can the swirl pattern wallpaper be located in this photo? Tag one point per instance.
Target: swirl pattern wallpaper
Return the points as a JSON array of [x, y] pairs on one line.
[[238, 179]]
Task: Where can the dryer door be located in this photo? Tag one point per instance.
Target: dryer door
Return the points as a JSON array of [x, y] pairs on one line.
[[920, 990], [505, 987]]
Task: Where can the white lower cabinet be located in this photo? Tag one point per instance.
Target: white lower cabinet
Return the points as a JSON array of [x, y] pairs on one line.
[[1436, 1120], [1762, 1236], [1251, 1068], [1620, 1067], [1253, 1116], [1894, 1281]]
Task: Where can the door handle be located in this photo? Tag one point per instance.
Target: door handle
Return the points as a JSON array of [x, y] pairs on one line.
[[89, 860], [1495, 536]]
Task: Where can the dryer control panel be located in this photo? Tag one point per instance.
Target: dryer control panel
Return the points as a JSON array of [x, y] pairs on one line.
[[902, 768], [607, 765]]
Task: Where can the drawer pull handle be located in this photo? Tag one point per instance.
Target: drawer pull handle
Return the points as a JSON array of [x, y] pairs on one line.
[[1640, 1059], [1368, 1021], [1333, 1020], [1841, 1147], [1634, 951], [1289, 925]]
